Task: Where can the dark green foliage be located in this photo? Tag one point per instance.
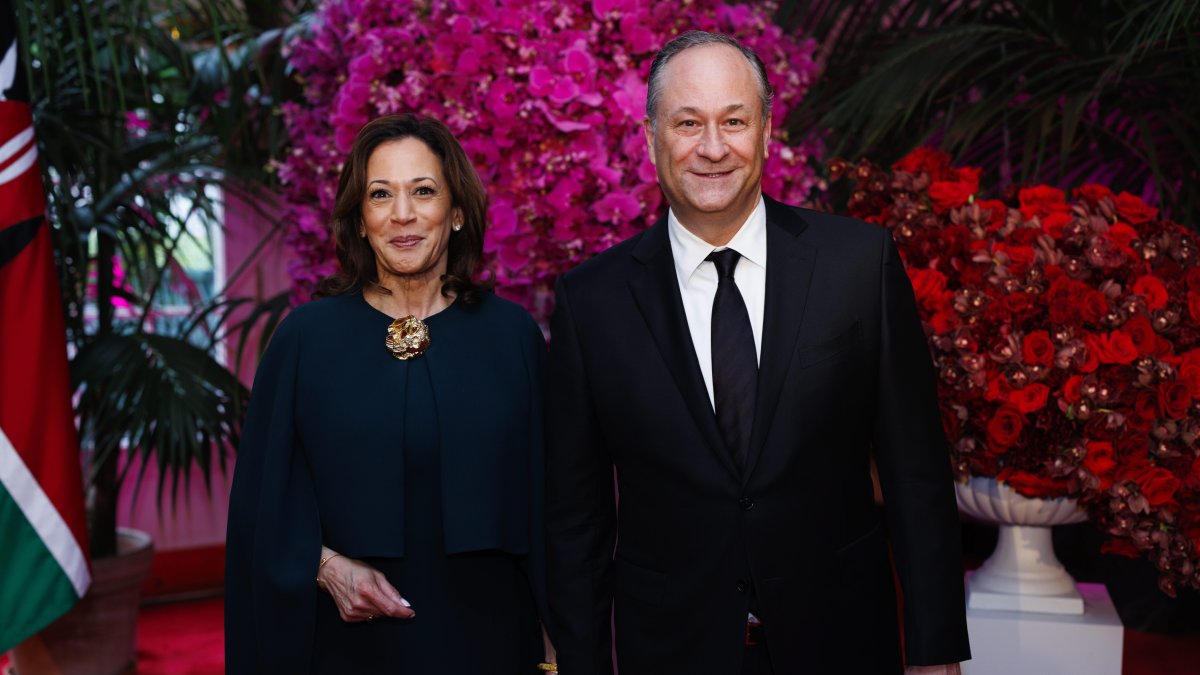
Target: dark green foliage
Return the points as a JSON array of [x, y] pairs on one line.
[[145, 113], [1057, 92]]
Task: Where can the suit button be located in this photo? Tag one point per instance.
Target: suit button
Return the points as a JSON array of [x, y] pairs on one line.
[[746, 503], [742, 586]]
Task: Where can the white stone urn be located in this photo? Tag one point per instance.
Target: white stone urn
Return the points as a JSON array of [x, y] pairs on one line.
[[1022, 574]]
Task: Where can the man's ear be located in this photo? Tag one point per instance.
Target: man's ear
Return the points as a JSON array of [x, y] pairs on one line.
[[648, 129], [767, 137]]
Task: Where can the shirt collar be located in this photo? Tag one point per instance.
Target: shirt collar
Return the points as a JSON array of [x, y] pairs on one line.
[[690, 251]]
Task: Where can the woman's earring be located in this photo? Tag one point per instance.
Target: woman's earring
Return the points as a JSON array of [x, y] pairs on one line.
[[457, 227]]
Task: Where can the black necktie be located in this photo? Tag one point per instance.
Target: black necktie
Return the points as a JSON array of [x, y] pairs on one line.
[[734, 360]]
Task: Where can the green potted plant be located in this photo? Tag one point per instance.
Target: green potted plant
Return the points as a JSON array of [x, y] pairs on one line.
[[144, 117]]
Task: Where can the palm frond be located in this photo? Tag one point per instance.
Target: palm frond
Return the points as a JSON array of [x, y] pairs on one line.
[[1038, 91]]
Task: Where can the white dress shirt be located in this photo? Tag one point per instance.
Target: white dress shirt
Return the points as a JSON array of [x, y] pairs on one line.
[[698, 281]]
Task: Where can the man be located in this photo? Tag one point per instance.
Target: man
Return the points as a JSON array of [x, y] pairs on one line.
[[738, 396]]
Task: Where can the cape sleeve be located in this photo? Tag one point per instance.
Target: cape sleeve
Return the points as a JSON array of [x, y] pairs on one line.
[[536, 563], [273, 540]]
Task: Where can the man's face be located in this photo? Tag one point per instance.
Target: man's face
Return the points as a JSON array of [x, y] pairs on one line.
[[709, 141]]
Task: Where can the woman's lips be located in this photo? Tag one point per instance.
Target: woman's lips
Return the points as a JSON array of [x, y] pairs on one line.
[[405, 242]]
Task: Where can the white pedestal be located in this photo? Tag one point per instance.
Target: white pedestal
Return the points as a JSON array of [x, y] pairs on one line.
[[1005, 642], [1023, 575]]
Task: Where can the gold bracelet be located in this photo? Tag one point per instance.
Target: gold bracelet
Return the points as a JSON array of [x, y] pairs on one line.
[[322, 564], [548, 667]]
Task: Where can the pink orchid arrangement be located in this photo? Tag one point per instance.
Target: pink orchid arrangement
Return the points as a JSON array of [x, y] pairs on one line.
[[547, 99]]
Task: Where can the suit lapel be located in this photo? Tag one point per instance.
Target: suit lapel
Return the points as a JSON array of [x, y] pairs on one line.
[[789, 274], [655, 288]]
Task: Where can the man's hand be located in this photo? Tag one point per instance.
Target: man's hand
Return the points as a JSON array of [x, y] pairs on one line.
[[948, 669], [360, 591]]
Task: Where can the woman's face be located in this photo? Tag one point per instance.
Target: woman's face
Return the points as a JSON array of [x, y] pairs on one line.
[[408, 211]]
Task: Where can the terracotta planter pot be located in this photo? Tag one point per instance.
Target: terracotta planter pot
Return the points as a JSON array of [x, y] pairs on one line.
[[99, 635]]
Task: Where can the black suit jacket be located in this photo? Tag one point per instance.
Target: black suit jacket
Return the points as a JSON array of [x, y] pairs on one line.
[[795, 535]]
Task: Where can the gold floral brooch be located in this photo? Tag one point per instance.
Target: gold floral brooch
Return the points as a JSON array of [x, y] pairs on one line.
[[407, 337]]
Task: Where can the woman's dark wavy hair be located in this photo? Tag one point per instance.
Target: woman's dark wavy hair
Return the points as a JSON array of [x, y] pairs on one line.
[[357, 259]]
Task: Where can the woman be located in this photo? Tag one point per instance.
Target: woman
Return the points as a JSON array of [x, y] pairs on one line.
[[386, 510]]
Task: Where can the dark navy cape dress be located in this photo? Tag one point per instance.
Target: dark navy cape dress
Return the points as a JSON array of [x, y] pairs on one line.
[[428, 469]]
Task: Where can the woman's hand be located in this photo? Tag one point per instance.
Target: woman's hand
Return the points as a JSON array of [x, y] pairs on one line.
[[360, 591]]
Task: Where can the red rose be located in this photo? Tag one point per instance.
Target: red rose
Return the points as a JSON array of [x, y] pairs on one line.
[[1092, 192], [1122, 348], [1037, 348], [928, 286], [948, 194], [1005, 427], [997, 213], [1019, 258], [1145, 340], [934, 162], [1100, 461], [998, 388], [1018, 302], [1114, 347], [1041, 200], [1145, 404], [943, 321], [1054, 222], [1031, 398], [1071, 389], [1159, 485], [1174, 399], [1133, 209], [1153, 290], [1192, 278], [1121, 236], [1032, 484], [1090, 360], [1094, 306]]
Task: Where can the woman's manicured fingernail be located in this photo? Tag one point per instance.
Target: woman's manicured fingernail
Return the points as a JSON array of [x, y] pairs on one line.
[[405, 603]]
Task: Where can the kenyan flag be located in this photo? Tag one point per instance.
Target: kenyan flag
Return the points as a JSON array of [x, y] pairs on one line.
[[43, 555]]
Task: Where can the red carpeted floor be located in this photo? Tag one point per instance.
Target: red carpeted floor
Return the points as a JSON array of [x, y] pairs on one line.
[[185, 638]]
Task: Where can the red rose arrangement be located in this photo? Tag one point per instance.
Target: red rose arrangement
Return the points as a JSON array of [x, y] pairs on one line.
[[1066, 338]]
